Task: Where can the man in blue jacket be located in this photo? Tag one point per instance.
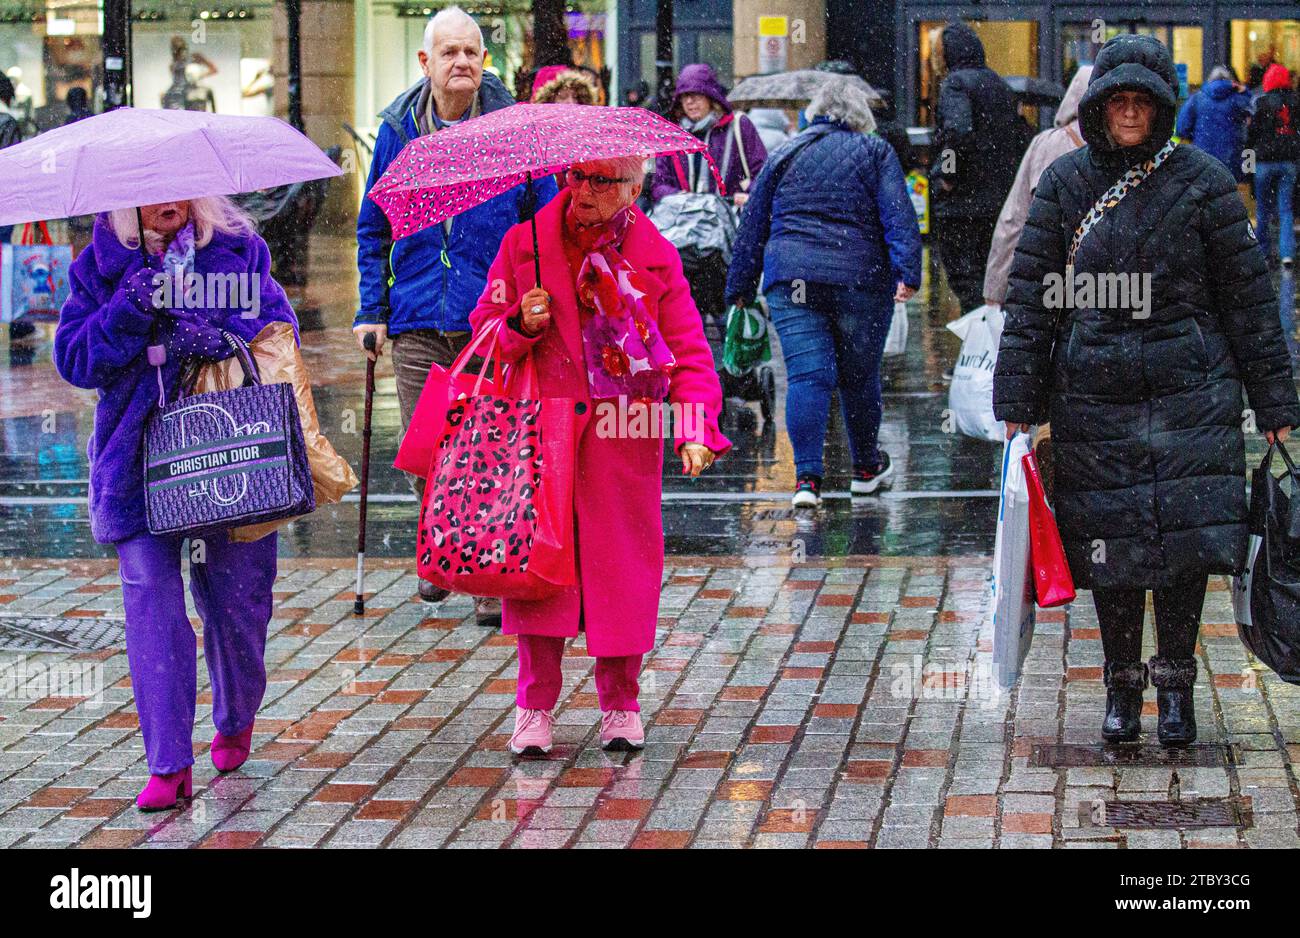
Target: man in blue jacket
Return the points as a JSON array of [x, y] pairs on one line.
[[418, 292], [1215, 118]]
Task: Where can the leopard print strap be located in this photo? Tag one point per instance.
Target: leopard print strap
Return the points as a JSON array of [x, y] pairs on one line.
[[1112, 196]]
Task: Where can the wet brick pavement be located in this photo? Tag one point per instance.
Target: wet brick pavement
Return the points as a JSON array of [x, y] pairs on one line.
[[838, 703], [818, 680]]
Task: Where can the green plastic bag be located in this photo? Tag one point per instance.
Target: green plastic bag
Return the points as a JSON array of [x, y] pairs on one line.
[[747, 343]]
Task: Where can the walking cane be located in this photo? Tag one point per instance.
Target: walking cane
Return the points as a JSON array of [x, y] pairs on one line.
[[359, 606]]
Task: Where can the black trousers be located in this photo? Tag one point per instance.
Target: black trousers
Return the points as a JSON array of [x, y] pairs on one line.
[[1178, 619], [964, 251]]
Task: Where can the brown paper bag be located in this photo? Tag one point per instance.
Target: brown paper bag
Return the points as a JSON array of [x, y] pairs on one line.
[[279, 361]]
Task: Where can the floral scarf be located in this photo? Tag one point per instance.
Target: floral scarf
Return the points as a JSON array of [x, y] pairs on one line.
[[625, 354], [180, 253]]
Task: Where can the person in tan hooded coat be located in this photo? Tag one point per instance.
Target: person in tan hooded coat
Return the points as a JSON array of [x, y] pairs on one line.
[[1045, 147]]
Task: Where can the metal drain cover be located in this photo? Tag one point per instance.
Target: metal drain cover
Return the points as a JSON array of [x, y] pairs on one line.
[[1075, 756], [1175, 814], [61, 633]]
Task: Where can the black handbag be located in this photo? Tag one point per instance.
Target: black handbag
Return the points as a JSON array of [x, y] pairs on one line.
[[1266, 597]]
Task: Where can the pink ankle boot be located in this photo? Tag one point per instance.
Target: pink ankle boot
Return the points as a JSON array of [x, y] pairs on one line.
[[230, 752], [163, 791]]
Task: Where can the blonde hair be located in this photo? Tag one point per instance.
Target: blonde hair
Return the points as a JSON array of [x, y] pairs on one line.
[[209, 215]]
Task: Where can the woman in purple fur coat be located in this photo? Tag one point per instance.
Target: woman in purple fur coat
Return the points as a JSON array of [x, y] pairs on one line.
[[116, 311]]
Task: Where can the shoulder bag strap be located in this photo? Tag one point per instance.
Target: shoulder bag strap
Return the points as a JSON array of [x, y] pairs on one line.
[[740, 147], [1113, 196]]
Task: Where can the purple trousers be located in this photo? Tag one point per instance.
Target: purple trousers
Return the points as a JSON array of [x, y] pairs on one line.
[[232, 593]]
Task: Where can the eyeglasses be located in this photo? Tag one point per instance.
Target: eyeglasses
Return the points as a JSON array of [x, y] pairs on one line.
[[575, 177]]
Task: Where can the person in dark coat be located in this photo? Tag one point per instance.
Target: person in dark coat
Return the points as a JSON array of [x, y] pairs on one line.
[[1274, 135], [1214, 119], [977, 148], [831, 228], [1144, 392]]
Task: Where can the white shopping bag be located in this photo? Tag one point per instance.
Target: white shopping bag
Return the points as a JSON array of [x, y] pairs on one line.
[[1241, 584], [970, 397], [1013, 581], [896, 341]]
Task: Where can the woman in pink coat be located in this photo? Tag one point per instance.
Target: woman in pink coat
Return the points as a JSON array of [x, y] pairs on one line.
[[616, 331]]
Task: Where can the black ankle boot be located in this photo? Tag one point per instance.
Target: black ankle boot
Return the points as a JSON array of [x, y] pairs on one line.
[[1174, 679], [1125, 681]]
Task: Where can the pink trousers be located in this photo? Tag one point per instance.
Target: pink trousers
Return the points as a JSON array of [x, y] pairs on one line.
[[541, 680]]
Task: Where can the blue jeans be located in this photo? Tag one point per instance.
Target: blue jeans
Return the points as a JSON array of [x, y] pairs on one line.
[[1274, 188], [832, 340]]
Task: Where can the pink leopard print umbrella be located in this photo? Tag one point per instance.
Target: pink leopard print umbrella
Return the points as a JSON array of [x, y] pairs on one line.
[[441, 174]]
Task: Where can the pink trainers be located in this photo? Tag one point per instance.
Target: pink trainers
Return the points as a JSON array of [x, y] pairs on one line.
[[532, 735], [163, 791], [621, 730]]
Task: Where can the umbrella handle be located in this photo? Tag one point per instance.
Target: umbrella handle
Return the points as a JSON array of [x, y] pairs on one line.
[[532, 220], [139, 221]]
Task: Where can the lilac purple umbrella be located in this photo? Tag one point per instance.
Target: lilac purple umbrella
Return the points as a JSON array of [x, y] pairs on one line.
[[134, 156]]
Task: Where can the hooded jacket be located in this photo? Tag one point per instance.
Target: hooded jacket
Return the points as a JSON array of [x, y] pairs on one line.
[[671, 172], [1214, 119], [431, 279], [1043, 150], [1142, 372], [101, 342], [832, 206], [977, 121], [1274, 132]]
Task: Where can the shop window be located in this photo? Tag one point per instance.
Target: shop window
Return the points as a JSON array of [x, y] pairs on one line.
[[1010, 48], [1186, 45], [203, 58], [648, 57], [1255, 44], [46, 57], [717, 49]]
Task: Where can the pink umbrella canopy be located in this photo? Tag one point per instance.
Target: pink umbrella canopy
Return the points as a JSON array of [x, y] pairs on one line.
[[439, 175], [133, 156]]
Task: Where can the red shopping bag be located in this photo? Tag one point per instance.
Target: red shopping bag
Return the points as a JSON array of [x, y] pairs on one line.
[[497, 515], [1053, 584], [442, 389]]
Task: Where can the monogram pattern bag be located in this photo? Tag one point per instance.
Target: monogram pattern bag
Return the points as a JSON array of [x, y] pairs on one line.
[[226, 458]]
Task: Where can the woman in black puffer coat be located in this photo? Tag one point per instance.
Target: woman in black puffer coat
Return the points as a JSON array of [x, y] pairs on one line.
[[1145, 397]]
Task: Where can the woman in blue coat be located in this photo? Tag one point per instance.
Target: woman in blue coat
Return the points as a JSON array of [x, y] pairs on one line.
[[832, 231]]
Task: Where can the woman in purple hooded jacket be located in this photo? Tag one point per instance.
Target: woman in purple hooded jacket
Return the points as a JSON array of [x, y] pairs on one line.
[[105, 330], [700, 106]]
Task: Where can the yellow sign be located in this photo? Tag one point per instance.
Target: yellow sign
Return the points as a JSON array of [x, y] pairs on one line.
[[774, 25], [918, 189]]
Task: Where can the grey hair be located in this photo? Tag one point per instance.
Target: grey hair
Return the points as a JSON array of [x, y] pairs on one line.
[[445, 17], [843, 101], [1221, 71]]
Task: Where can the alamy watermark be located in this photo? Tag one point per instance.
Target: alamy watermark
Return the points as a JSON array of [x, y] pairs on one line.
[[31, 680], [956, 680], [180, 290], [1117, 291], [639, 420]]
